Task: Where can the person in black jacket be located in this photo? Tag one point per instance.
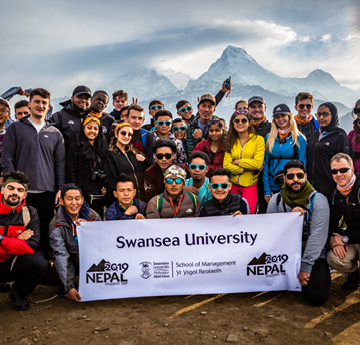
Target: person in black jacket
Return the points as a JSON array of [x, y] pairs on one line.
[[345, 202], [123, 158], [223, 202], [322, 146], [19, 239], [69, 119], [85, 163]]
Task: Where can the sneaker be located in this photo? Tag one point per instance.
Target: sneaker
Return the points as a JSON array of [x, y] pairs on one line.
[[20, 303], [5, 287], [353, 280]]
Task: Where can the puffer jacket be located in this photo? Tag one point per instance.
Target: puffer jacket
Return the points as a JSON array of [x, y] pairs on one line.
[[280, 155], [63, 241], [251, 158], [187, 208], [117, 212]]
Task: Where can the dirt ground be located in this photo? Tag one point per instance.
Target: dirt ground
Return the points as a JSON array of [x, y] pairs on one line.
[[251, 318]]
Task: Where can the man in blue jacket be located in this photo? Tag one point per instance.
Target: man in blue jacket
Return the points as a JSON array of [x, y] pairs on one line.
[[126, 206]]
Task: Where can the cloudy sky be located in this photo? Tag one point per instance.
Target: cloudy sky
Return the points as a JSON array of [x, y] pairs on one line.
[[61, 44]]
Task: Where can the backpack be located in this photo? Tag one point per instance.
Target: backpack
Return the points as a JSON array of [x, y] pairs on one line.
[[26, 215], [160, 199], [143, 133]]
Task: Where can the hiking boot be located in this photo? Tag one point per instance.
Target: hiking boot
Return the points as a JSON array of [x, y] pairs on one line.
[[20, 303], [353, 280], [5, 287]]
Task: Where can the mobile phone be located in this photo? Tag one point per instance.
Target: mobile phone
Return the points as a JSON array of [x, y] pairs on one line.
[[227, 81]]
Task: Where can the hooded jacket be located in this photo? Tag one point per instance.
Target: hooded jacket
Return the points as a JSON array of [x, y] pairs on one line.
[[187, 207], [63, 241], [41, 156], [322, 146], [68, 121], [232, 203], [117, 212], [12, 225]]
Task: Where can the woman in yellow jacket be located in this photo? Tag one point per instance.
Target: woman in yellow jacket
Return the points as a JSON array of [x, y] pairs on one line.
[[244, 157]]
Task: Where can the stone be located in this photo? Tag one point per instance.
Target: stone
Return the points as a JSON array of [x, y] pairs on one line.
[[212, 332], [190, 332], [106, 337], [328, 334], [203, 333], [158, 334], [203, 313], [87, 320], [246, 328], [270, 316], [84, 316], [166, 325], [214, 337], [34, 327], [96, 332], [232, 338]]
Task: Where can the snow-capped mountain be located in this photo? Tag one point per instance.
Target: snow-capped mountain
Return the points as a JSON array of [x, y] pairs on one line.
[[179, 79]]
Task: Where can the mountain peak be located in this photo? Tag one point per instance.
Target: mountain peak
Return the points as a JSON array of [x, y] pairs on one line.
[[236, 53]]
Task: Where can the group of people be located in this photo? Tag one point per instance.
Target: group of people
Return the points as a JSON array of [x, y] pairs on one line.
[[83, 164]]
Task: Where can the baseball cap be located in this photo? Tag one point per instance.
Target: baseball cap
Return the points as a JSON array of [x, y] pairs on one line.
[[175, 170], [4, 101], [281, 109], [81, 90], [207, 97], [256, 99]]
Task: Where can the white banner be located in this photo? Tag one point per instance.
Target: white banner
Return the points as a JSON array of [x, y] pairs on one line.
[[155, 257]]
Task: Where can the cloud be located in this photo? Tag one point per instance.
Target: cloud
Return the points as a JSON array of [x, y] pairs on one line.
[[326, 38]]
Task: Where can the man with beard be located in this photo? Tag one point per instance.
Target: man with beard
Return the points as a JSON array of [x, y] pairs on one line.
[[19, 239], [69, 119], [297, 195], [198, 183]]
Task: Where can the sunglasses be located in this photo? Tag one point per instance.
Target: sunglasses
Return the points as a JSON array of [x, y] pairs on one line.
[[300, 176], [171, 180], [324, 114], [182, 129], [341, 170], [126, 134], [200, 166], [214, 122], [162, 123], [162, 155], [183, 110], [356, 110], [243, 121], [302, 106], [216, 130], [221, 185], [154, 107]]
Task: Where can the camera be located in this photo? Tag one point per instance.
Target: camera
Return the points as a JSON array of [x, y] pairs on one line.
[[98, 175]]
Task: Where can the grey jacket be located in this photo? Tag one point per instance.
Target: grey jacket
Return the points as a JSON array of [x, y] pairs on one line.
[[65, 249], [40, 156], [319, 227]]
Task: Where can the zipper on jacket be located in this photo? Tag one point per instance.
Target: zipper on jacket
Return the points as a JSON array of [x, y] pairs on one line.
[[241, 151]]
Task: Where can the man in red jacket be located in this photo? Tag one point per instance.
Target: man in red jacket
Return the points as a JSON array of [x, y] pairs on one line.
[[19, 239]]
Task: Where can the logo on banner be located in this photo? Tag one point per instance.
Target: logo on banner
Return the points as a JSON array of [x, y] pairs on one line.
[[107, 273], [267, 265], [145, 269]]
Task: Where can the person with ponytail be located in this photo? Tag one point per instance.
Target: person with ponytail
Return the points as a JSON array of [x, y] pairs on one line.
[[244, 156], [85, 161], [124, 158], [354, 138], [283, 144], [322, 146]]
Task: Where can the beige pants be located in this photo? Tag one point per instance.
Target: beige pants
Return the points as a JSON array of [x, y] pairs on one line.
[[347, 265]]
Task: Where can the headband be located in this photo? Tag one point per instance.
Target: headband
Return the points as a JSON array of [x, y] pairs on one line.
[[91, 118], [11, 179], [240, 112], [123, 124]]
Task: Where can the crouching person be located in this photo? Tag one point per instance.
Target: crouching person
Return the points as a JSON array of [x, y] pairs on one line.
[[126, 206], [344, 254], [223, 202], [298, 195], [19, 239], [63, 236], [174, 202]]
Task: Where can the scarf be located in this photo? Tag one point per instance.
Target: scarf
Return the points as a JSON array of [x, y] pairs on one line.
[[296, 199], [300, 121], [257, 124], [347, 189], [284, 133], [97, 115]]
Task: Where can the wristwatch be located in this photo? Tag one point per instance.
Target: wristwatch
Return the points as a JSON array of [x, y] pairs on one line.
[[1, 238], [345, 240]]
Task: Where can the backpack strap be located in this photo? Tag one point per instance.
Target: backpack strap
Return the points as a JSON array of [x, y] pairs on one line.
[[278, 198], [26, 215], [310, 208], [143, 133], [159, 202], [193, 198]]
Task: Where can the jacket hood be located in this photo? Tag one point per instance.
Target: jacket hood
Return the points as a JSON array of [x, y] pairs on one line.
[[334, 124], [4, 209]]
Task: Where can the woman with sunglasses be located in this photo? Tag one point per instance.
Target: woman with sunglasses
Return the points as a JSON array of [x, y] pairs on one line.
[[283, 143], [123, 158], [85, 162], [244, 156], [354, 138], [322, 146], [213, 146]]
